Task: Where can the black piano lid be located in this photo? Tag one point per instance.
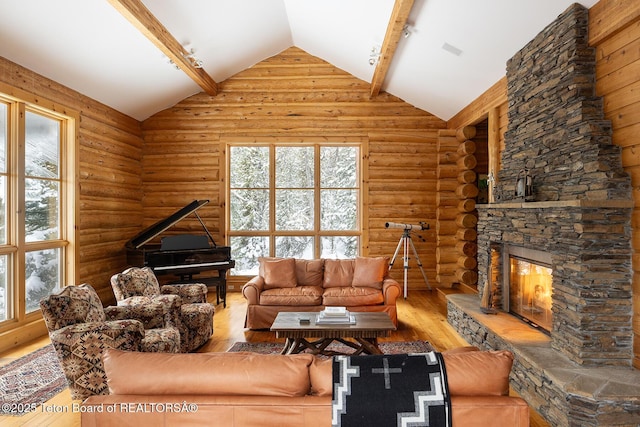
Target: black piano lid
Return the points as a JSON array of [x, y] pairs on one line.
[[150, 232]]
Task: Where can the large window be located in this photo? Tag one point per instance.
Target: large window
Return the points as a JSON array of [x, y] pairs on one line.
[[293, 201], [33, 196]]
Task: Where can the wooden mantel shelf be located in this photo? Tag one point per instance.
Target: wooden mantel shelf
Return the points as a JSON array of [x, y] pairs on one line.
[[623, 204]]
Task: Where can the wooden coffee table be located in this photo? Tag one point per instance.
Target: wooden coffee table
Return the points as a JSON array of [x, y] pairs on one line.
[[364, 333]]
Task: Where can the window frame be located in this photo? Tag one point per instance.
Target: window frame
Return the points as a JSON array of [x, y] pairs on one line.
[[316, 232], [16, 247]]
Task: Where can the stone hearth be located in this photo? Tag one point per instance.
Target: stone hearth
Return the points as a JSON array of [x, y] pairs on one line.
[[563, 392], [580, 214]]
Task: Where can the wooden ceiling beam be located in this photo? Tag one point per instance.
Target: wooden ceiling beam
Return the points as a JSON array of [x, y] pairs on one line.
[[399, 16], [138, 14]]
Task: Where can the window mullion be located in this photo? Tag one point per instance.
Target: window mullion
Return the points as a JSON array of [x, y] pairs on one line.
[[17, 213], [272, 199], [316, 201]]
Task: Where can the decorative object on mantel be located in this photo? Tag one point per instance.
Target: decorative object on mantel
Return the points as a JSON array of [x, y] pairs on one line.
[[524, 185], [491, 184], [486, 303], [483, 188]]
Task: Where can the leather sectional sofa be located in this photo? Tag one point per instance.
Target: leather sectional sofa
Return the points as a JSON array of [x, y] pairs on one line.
[[290, 284], [248, 389]]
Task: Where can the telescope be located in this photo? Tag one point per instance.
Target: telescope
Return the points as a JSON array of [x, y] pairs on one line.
[[422, 226], [406, 243]]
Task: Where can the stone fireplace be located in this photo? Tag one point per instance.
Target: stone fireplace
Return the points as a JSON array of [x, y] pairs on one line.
[[577, 223], [581, 211]]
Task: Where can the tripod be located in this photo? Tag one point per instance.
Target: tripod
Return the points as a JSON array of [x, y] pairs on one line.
[[405, 242]]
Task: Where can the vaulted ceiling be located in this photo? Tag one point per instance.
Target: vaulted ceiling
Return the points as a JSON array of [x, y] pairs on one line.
[[455, 50]]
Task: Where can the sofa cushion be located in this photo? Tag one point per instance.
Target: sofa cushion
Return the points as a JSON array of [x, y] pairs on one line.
[[475, 373], [309, 272], [300, 295], [352, 297], [370, 271], [338, 273], [223, 374], [278, 272]]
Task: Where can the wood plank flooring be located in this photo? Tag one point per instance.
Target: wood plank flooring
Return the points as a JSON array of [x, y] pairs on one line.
[[422, 316]]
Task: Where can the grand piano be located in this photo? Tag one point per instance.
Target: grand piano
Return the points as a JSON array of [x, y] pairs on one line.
[[184, 255]]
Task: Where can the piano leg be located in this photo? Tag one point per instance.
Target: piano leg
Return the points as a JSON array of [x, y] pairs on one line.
[[221, 289]]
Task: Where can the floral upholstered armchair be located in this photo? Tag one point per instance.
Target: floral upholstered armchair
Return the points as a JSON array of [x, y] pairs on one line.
[[194, 315], [80, 330]]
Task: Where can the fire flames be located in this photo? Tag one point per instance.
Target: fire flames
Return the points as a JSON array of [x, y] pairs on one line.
[[530, 292]]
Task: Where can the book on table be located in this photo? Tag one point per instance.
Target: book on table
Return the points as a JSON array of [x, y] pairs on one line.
[[337, 311], [335, 315]]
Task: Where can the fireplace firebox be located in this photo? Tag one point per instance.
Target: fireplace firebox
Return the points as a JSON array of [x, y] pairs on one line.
[[521, 282], [528, 287]]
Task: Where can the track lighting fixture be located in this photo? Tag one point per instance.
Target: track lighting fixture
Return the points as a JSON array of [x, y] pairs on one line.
[[374, 55], [406, 31], [191, 56]]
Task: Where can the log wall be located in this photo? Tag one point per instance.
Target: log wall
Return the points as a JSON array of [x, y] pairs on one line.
[[467, 218], [296, 97], [446, 208]]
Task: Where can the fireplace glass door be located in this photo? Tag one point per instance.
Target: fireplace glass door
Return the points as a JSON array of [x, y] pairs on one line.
[[530, 291]]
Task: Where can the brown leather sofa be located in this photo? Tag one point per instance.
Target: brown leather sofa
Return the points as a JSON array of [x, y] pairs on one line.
[[248, 389], [290, 284]]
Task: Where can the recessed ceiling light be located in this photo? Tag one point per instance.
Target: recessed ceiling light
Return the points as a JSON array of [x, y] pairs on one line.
[[452, 49]]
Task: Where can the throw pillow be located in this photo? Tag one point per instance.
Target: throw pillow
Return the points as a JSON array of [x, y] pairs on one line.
[[337, 273], [309, 272], [279, 273], [262, 260], [370, 271], [466, 379]]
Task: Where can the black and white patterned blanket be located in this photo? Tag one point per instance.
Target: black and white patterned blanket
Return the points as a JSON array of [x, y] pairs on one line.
[[391, 389]]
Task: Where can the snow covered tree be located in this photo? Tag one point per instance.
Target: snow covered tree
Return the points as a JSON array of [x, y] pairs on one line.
[[314, 194]]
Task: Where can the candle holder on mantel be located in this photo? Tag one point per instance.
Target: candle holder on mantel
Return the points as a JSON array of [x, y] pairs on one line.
[[486, 302], [524, 186], [491, 183]]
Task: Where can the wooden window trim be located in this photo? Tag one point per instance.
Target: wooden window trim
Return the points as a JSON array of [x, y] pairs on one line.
[[23, 327]]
